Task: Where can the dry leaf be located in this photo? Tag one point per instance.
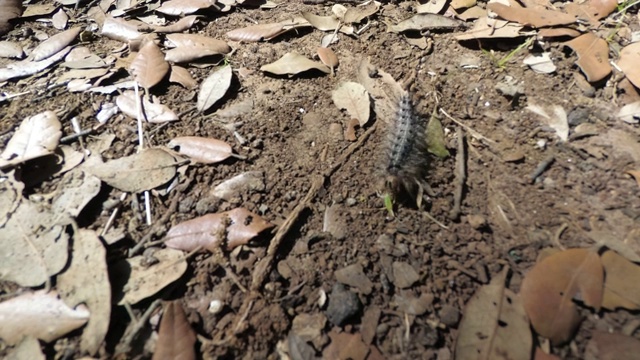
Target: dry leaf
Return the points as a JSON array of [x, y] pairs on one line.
[[228, 229], [293, 63], [143, 171], [11, 50], [184, 7], [328, 57], [593, 56], [266, 31], [425, 22], [494, 325], [472, 13], [615, 346], [60, 19], [36, 136], [119, 29], [179, 26], [355, 99], [485, 28], [621, 282], [86, 281], [9, 10], [354, 15], [79, 189], [176, 338], [39, 314], [202, 150], [534, 17], [628, 63], [243, 184], [630, 113], [182, 76], [190, 47], [548, 290], [153, 112], [149, 67], [591, 10], [540, 63], [558, 32], [541, 355], [28, 348], [214, 87], [54, 44], [431, 7], [26, 68], [558, 121], [327, 23], [144, 280]]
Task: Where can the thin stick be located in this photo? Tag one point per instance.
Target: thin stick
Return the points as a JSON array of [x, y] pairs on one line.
[[107, 226], [139, 324], [461, 176], [473, 133], [544, 164]]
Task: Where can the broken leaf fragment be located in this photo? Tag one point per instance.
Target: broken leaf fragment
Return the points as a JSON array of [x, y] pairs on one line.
[[293, 63], [176, 338], [37, 136], [152, 112], [593, 56], [435, 137], [269, 31], [354, 98], [54, 44], [227, 229], [534, 17], [201, 149], [621, 282], [628, 62], [40, 314], [425, 22], [494, 325], [549, 288]]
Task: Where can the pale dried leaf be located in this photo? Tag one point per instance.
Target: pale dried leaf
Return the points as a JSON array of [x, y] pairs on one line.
[[293, 63], [149, 67], [236, 109], [27, 68], [558, 32], [356, 14], [34, 246], [326, 23], [176, 338], [120, 29], [79, 189], [591, 10], [143, 171], [472, 13], [593, 56], [228, 230], [630, 113], [184, 7], [179, 26], [266, 31], [182, 76], [548, 290], [557, 121], [431, 7], [621, 282], [27, 349], [86, 281], [39, 314], [36, 136], [328, 57], [206, 42], [60, 19], [628, 62], [202, 150], [540, 63], [9, 10], [534, 17], [153, 112], [54, 44], [494, 325], [214, 87], [486, 28], [243, 184], [185, 54], [10, 49], [38, 10], [353, 97], [425, 22], [462, 4], [143, 280]]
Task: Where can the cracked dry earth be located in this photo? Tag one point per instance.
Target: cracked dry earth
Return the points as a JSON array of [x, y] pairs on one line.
[[346, 272]]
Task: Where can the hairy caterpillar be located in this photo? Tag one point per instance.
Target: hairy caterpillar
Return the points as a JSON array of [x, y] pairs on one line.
[[405, 164]]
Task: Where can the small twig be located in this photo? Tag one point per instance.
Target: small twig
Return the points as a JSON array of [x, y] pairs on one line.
[[430, 217], [107, 226], [544, 164], [461, 176], [473, 133], [234, 278], [139, 324]]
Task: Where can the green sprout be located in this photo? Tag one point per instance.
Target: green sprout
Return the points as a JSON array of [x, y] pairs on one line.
[[502, 62], [388, 204]]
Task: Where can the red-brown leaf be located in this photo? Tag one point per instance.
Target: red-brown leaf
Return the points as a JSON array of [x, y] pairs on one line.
[[149, 67], [202, 150], [176, 338]]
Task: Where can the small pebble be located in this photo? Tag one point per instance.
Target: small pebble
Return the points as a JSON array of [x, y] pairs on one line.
[[449, 315], [404, 275], [351, 202], [476, 221], [343, 304]]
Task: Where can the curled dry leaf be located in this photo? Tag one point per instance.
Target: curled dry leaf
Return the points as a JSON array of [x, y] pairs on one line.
[[9, 10], [239, 185], [176, 338], [139, 172], [119, 29], [54, 44], [11, 50], [293, 63], [144, 280], [593, 56], [228, 229], [202, 150], [548, 290], [86, 281], [354, 98], [494, 325], [153, 112], [614, 346], [356, 14], [486, 28], [629, 59], [266, 31], [214, 87], [179, 26], [558, 121], [534, 17], [26, 68], [149, 67], [621, 282], [36, 136], [182, 76], [328, 57], [28, 348], [425, 22], [190, 47], [184, 7], [39, 314]]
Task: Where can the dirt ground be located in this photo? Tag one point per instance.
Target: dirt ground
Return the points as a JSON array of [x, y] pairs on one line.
[[512, 207]]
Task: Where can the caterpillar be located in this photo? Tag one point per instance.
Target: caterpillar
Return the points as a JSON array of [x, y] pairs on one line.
[[405, 154]]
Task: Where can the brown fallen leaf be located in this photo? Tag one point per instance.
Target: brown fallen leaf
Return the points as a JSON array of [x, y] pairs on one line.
[[10, 49], [182, 76], [327, 23], [486, 28], [179, 26], [541, 355], [328, 57], [621, 282], [201, 149], [26, 68], [558, 32], [293, 63], [184, 7], [269, 31], [615, 346], [593, 56], [54, 44], [120, 29], [207, 43], [214, 87], [534, 17], [425, 22], [354, 98], [548, 290], [39, 314], [37, 136], [28, 348], [494, 325], [153, 112], [228, 229], [628, 63], [355, 15], [149, 66], [9, 10], [591, 10], [176, 338]]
